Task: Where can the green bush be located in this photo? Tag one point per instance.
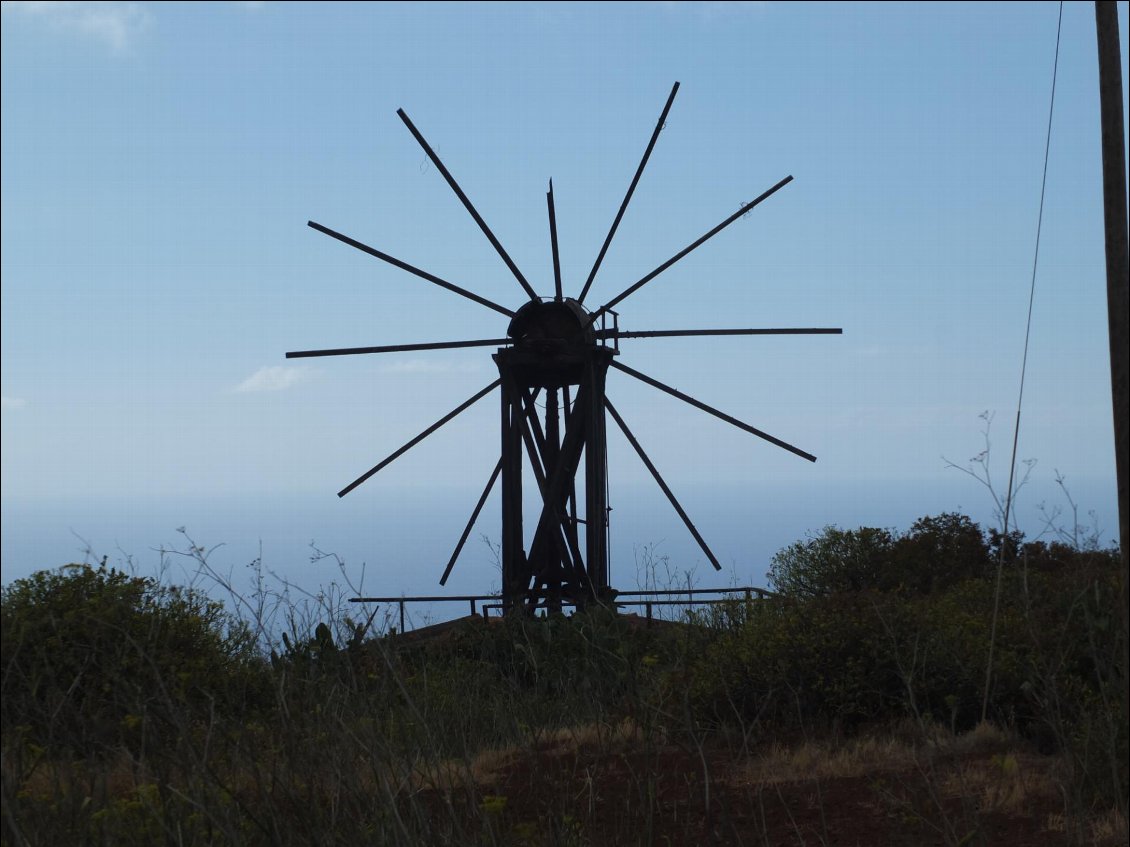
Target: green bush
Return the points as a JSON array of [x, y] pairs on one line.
[[934, 553], [586, 666], [834, 561], [918, 644], [939, 552], [811, 663], [94, 657]]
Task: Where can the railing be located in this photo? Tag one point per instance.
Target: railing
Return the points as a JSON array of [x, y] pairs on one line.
[[474, 599], [747, 591], [604, 334], [647, 599]]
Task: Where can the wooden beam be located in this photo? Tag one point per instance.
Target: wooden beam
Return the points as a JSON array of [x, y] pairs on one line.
[[631, 289], [467, 203], [631, 190], [663, 485], [412, 269], [698, 404], [399, 348], [471, 523], [553, 244], [402, 450]]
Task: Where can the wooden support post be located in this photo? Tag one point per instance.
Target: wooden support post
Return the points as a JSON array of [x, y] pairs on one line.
[[552, 428], [572, 495], [1117, 260], [514, 568], [555, 568], [1117, 279], [596, 474]]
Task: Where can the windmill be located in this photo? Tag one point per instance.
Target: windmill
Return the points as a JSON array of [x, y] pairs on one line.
[[558, 350]]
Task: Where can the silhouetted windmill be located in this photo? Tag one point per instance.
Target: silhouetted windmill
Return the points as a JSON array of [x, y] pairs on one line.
[[557, 349]]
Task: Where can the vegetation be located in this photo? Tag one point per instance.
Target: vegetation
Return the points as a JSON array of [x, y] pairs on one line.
[[140, 713]]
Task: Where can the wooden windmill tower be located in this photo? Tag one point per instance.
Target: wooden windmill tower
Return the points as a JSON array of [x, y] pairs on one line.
[[558, 351]]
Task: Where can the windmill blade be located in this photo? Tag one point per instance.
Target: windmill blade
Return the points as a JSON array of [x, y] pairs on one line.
[[649, 277], [710, 409], [467, 203], [631, 190], [677, 333], [462, 407], [398, 348], [659, 479], [412, 269], [553, 243], [471, 523]]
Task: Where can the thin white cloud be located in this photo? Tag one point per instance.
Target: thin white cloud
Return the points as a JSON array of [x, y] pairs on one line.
[[116, 25], [274, 378], [429, 366], [12, 403]]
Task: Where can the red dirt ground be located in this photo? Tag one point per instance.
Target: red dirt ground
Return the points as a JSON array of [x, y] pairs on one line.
[[571, 794]]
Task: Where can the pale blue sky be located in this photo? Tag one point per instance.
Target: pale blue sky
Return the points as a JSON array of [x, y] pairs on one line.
[[159, 164]]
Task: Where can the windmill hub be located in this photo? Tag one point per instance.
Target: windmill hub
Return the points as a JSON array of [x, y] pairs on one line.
[[554, 342], [562, 322]]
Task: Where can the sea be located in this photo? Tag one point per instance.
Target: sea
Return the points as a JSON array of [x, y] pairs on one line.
[[391, 544]]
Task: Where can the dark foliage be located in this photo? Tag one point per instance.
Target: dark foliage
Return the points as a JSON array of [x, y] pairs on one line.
[[340, 729], [90, 655], [935, 553]]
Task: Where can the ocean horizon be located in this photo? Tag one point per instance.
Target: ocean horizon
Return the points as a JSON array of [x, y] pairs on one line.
[[394, 543]]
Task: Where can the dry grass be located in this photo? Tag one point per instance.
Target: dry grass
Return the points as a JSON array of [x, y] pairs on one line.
[[906, 748], [985, 771], [1105, 829], [813, 760], [488, 766], [605, 737], [1006, 782], [983, 739], [49, 779], [987, 765]]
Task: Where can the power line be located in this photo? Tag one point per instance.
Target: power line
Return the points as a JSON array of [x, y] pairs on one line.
[[1023, 372]]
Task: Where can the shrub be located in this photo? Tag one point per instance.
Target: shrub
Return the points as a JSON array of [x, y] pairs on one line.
[[935, 553], [92, 657], [909, 635], [834, 561], [938, 552]]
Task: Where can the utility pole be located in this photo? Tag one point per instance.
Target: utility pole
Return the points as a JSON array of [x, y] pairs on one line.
[[1117, 278], [1117, 265]]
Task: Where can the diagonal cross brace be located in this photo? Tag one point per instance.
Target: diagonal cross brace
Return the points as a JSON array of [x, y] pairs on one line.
[[541, 460], [561, 475]]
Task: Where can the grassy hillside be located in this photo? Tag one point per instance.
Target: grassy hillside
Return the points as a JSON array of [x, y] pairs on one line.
[[849, 709]]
